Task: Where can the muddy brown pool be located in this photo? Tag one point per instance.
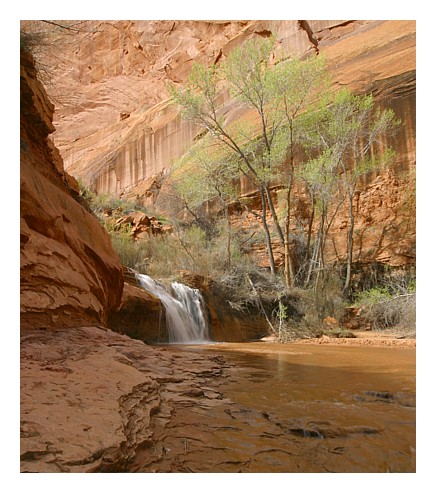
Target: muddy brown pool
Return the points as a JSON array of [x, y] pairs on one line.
[[296, 408]]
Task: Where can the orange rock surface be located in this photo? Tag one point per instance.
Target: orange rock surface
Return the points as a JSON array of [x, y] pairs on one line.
[[116, 130], [69, 273]]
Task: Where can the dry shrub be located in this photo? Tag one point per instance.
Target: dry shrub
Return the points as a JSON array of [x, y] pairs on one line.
[[325, 298], [293, 330], [391, 305], [243, 286], [390, 312], [133, 254]]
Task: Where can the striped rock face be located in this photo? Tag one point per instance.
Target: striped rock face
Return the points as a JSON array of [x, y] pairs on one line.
[[116, 130]]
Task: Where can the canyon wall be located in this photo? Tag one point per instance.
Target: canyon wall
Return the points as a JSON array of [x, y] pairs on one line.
[[69, 273], [117, 131]]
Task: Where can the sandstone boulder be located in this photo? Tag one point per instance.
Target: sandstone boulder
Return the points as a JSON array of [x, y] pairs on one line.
[[143, 226], [140, 315], [330, 322]]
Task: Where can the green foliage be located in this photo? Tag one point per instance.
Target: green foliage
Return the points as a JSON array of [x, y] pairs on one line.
[[133, 254], [373, 296], [86, 195], [341, 140], [247, 70], [276, 94], [197, 100], [345, 128], [104, 202], [291, 107], [411, 286], [320, 175], [204, 173], [187, 248], [391, 305], [100, 203]]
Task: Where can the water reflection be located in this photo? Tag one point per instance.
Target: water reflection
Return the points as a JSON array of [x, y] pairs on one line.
[[291, 408], [362, 400]]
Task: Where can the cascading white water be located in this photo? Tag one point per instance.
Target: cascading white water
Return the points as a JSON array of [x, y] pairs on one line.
[[185, 318]]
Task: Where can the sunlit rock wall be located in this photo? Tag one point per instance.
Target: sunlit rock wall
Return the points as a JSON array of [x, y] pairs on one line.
[[115, 129]]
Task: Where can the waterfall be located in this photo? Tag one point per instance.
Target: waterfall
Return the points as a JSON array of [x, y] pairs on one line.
[[185, 318]]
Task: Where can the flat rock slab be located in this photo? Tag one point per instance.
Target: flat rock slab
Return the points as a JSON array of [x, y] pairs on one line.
[[91, 397]]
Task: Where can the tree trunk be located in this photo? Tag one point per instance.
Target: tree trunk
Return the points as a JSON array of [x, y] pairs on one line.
[[315, 256], [309, 228], [289, 261], [274, 215], [284, 238], [229, 252], [267, 234], [350, 244]]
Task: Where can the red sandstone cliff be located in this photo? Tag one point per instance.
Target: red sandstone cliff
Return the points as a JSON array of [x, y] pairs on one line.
[[70, 274], [116, 130], [89, 397]]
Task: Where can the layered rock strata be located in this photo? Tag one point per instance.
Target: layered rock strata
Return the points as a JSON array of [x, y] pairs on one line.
[[70, 274]]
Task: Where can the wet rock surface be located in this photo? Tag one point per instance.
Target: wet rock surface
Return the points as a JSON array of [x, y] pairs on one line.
[[96, 401], [277, 416], [91, 397]]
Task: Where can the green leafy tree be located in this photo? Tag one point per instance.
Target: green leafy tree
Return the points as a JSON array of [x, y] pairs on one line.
[[289, 105], [275, 95], [199, 102], [206, 174], [279, 94], [320, 175], [298, 85], [348, 134]]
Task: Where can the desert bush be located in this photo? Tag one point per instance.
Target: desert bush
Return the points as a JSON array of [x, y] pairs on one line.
[[157, 256], [190, 247], [246, 285], [390, 306], [378, 276], [383, 312], [108, 202], [86, 196], [372, 296], [301, 324], [325, 298], [187, 248], [133, 253], [166, 257]]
